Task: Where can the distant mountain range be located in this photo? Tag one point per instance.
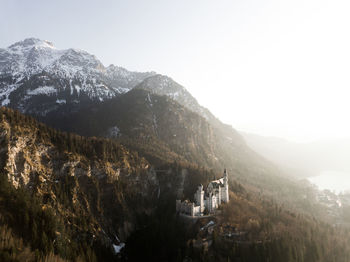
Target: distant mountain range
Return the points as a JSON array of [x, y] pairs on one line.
[[303, 159]]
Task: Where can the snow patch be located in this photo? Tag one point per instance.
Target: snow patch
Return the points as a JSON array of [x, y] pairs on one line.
[[61, 101], [149, 100], [175, 95], [70, 86], [6, 93], [42, 90], [122, 90], [78, 89], [100, 85], [118, 248], [5, 102]]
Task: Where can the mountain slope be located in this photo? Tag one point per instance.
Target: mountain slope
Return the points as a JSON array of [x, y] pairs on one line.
[[163, 130], [90, 185], [74, 197], [166, 86], [139, 115]]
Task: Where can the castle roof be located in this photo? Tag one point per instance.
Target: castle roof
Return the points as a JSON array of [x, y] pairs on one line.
[[217, 183]]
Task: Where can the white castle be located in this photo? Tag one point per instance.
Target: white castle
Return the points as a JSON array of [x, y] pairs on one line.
[[216, 193]]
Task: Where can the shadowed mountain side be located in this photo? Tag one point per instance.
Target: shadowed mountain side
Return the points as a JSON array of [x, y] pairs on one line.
[[160, 128]]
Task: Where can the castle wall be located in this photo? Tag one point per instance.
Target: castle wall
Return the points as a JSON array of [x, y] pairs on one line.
[[185, 207], [197, 211]]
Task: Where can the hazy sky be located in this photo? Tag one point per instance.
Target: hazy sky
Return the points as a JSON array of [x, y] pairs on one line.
[[271, 67]]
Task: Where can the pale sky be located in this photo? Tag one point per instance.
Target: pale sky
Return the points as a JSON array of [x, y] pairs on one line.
[[276, 68]]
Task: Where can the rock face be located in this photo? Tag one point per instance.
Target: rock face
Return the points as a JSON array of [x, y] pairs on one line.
[[37, 78], [74, 183]]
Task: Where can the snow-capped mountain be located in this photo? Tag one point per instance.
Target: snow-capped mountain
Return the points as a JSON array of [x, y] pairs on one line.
[[37, 78], [32, 56]]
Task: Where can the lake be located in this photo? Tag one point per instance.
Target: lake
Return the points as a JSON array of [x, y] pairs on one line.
[[332, 180]]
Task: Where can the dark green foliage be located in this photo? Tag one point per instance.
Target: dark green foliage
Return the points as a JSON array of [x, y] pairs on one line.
[[26, 216], [41, 229]]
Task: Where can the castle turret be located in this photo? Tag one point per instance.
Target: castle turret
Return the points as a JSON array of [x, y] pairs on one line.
[[199, 198], [224, 191], [192, 213]]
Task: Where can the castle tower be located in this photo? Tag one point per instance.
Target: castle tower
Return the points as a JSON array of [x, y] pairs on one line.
[[224, 191], [199, 198], [192, 209], [210, 202]]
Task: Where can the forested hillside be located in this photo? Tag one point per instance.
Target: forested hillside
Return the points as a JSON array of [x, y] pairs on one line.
[[68, 197], [163, 131]]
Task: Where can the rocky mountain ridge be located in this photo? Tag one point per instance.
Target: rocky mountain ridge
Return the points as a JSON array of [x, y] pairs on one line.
[[34, 70]]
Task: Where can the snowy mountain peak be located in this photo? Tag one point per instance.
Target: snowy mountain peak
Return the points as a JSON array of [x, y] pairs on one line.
[[30, 43], [33, 56], [33, 70]]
